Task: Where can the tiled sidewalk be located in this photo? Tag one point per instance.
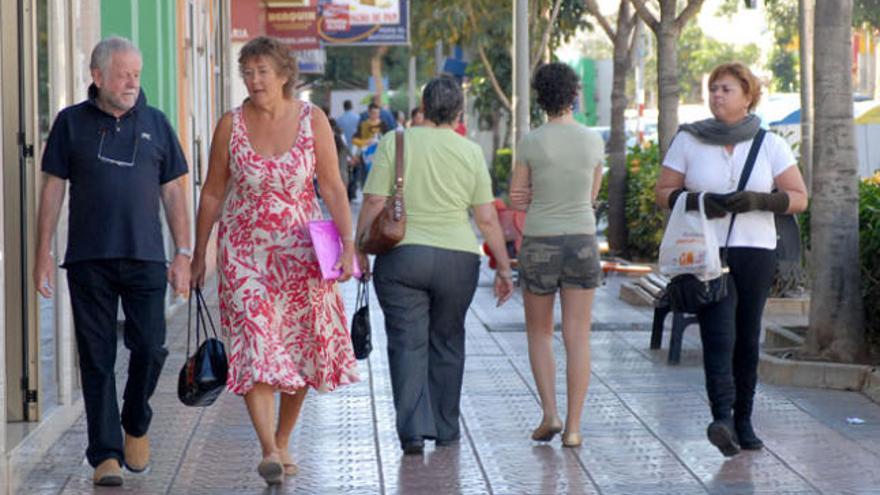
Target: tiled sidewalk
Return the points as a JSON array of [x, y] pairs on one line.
[[644, 428]]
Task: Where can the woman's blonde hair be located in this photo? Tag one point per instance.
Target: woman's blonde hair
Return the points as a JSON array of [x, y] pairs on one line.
[[274, 50], [750, 85]]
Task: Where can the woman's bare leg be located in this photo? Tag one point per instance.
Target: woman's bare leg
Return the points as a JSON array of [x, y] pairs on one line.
[[291, 405], [260, 401], [539, 330], [577, 307]]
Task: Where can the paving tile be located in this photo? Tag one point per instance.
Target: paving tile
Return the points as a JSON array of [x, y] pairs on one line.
[[644, 427]]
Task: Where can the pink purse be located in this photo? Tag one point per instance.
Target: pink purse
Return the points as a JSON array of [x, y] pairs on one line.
[[328, 249]]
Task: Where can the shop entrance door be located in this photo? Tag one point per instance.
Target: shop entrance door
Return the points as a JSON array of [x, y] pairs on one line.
[[21, 140]]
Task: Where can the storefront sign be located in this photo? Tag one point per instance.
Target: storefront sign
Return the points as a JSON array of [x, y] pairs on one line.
[[295, 26], [311, 61], [363, 22]]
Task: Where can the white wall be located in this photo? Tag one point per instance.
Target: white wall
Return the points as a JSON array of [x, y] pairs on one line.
[[338, 97]]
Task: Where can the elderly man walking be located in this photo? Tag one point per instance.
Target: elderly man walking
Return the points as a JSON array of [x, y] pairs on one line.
[[121, 158]]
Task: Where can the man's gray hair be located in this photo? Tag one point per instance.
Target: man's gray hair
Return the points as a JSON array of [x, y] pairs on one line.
[[103, 52]]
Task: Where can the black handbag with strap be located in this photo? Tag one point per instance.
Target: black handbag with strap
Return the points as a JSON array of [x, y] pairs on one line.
[[361, 331], [204, 373], [687, 293]]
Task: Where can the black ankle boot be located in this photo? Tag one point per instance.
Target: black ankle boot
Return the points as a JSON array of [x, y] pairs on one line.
[[722, 435], [746, 435]]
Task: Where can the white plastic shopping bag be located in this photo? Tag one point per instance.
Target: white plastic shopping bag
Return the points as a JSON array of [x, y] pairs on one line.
[[689, 244]]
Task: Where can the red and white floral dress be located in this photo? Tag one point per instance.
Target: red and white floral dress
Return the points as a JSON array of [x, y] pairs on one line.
[[285, 324]]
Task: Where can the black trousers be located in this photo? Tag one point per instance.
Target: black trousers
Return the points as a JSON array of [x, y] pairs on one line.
[[95, 290], [425, 293], [730, 331]]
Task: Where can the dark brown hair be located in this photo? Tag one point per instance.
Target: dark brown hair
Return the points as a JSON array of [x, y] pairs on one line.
[[274, 50], [750, 85]]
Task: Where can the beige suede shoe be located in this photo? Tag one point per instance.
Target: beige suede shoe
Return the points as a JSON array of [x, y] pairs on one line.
[[108, 473], [137, 453], [271, 470]]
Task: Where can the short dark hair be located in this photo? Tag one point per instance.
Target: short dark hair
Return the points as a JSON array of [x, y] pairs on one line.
[[415, 111], [372, 106], [556, 85], [280, 55], [442, 100], [346, 105]]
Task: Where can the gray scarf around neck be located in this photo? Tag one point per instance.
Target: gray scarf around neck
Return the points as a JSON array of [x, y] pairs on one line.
[[713, 131]]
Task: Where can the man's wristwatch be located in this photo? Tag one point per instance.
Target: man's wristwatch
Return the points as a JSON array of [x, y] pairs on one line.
[[184, 252]]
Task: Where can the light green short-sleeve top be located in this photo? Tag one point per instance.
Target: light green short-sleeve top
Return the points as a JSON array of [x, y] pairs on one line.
[[444, 175], [562, 159]]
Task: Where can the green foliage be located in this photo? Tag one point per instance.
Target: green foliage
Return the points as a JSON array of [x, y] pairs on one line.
[[490, 29], [500, 171], [784, 62], [644, 219], [699, 54], [869, 246], [784, 65], [866, 12]]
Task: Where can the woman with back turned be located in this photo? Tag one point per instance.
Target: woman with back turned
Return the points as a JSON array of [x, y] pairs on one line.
[[556, 178], [426, 283]]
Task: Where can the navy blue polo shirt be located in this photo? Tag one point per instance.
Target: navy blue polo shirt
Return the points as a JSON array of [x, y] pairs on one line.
[[116, 167]]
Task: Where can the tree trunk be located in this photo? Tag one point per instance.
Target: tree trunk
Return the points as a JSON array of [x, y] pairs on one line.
[[667, 79], [805, 19], [376, 70], [617, 228], [836, 308]]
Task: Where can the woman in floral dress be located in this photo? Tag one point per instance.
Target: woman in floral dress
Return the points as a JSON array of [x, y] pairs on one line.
[[285, 325]]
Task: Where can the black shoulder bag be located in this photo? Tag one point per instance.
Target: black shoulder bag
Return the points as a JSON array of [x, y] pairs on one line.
[[203, 375], [687, 293]]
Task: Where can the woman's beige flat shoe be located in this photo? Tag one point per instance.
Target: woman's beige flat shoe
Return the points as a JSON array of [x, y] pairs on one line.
[[572, 439], [271, 470], [291, 469], [546, 431]]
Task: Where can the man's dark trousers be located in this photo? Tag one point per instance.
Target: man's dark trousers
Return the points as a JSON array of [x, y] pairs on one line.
[[95, 290]]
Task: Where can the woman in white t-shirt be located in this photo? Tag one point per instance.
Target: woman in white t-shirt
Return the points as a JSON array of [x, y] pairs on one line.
[[709, 156]]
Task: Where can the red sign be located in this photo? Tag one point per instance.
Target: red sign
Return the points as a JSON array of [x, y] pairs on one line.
[[336, 17], [296, 27], [248, 19]]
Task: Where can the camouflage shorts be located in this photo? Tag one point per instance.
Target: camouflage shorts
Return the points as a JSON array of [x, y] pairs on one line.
[[565, 261]]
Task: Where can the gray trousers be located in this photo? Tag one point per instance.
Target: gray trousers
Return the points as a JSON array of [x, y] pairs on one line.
[[425, 293]]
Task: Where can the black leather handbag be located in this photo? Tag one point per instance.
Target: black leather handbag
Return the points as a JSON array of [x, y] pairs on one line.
[[203, 375], [686, 292], [689, 294], [360, 323]]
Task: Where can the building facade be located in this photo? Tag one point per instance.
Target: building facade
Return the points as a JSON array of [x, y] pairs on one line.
[[44, 55]]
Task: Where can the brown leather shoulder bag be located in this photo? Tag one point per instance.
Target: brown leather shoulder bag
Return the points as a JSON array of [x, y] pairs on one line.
[[389, 226]]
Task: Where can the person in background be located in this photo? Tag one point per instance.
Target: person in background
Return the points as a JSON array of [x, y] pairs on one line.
[[343, 154], [709, 156], [366, 140], [460, 126], [122, 159], [348, 121], [384, 114], [370, 129], [426, 283], [417, 117], [286, 324], [400, 116], [556, 179]]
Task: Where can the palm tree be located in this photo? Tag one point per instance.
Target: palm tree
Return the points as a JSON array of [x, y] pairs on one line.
[[624, 39], [836, 313]]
